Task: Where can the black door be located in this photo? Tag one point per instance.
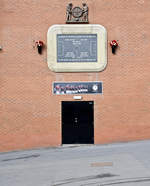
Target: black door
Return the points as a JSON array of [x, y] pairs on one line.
[[77, 122]]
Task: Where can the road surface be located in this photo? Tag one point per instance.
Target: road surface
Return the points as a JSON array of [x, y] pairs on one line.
[[124, 164]]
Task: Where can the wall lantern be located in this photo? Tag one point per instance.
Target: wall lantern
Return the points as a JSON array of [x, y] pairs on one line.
[[114, 46], [1, 47], [39, 45]]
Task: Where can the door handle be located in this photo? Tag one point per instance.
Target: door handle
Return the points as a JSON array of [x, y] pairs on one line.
[[75, 120]]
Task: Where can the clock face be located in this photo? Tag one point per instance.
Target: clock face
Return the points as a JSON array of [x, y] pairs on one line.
[[77, 12], [95, 87]]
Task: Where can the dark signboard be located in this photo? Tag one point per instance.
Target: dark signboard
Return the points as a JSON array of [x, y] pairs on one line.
[[61, 88], [76, 47]]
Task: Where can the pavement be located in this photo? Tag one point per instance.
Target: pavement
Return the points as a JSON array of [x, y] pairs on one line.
[[125, 164]]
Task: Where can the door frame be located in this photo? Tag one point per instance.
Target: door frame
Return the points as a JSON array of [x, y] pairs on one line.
[[92, 123]]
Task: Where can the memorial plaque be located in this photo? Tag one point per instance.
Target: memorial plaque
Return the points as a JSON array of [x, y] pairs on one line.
[[76, 47]]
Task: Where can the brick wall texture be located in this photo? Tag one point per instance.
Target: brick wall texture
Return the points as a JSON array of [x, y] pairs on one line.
[[30, 115]]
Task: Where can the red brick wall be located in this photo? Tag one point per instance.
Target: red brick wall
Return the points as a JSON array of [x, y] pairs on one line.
[[30, 116]]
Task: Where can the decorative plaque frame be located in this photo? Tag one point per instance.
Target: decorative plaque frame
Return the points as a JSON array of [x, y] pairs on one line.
[[77, 48]]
